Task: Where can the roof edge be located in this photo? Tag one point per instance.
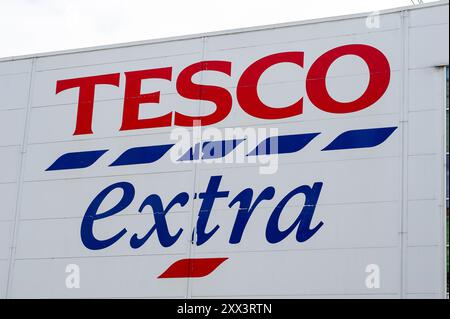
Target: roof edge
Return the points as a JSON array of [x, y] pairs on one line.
[[224, 32]]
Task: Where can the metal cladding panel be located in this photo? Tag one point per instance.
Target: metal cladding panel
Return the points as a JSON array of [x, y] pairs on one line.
[[3, 277], [419, 227], [324, 201], [10, 85], [63, 130], [101, 278], [9, 170], [8, 197], [425, 89], [45, 246], [41, 193], [421, 258], [339, 233], [5, 233], [345, 276], [421, 38], [12, 125], [12, 67]]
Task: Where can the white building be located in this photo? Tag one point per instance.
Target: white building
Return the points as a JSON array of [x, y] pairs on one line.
[[99, 199]]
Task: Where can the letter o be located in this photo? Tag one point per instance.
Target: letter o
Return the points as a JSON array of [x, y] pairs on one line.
[[379, 70]]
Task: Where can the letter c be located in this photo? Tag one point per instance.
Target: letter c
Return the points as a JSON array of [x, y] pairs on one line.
[[247, 88]]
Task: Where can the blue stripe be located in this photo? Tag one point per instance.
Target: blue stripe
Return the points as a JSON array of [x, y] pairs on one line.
[[192, 154], [283, 144], [219, 149], [76, 160], [210, 150], [142, 155], [360, 138]]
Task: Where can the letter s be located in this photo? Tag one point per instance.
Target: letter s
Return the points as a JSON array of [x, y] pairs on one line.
[[218, 95]]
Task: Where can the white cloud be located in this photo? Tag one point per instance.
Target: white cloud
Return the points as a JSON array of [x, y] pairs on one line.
[[31, 26]]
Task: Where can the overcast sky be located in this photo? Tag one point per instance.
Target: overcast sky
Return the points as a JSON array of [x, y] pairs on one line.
[[32, 26]]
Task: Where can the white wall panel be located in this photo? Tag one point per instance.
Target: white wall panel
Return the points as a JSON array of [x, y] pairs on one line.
[[8, 199], [423, 137], [426, 89], [14, 90], [9, 67], [65, 241], [427, 16], [9, 169], [6, 228], [80, 192], [423, 177], [44, 129], [420, 277], [421, 39], [3, 277], [424, 222], [12, 126], [45, 278], [363, 180], [312, 272]]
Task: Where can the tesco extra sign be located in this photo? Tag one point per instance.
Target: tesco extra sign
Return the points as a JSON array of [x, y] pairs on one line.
[[247, 200]]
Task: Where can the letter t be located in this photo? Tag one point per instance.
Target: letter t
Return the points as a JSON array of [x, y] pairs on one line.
[[209, 196], [86, 97]]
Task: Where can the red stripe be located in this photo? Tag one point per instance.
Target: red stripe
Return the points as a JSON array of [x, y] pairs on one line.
[[192, 267]]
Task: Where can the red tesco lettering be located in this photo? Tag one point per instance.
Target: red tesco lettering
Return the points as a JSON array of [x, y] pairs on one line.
[[246, 90]]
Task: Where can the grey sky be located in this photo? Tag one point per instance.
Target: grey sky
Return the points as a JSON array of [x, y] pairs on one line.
[[32, 26]]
